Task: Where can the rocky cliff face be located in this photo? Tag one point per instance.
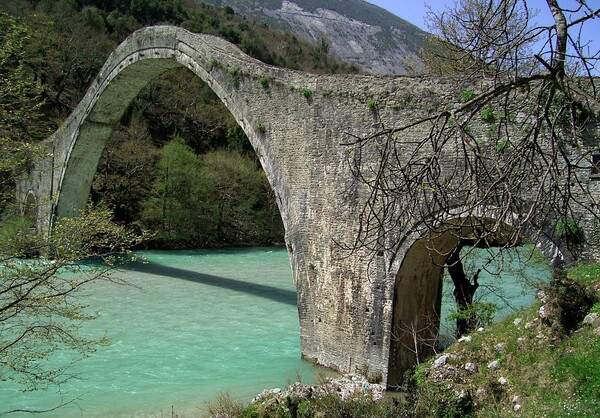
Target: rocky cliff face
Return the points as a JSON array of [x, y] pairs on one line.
[[353, 30]]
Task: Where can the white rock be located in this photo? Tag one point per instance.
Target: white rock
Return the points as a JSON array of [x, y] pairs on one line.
[[480, 329], [517, 321], [470, 367], [542, 296], [528, 325], [517, 408], [542, 312], [597, 331], [502, 381], [515, 399], [465, 339], [440, 361], [493, 365], [500, 347], [521, 339], [590, 318]]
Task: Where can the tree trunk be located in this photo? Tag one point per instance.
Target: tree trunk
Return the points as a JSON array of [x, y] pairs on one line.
[[463, 294]]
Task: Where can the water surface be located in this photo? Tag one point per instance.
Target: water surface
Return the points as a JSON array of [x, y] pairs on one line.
[[196, 323], [191, 325]]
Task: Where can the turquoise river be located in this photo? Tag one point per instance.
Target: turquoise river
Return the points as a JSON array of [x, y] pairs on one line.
[[193, 324]]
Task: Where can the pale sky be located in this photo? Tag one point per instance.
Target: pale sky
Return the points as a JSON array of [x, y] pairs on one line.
[[414, 11]]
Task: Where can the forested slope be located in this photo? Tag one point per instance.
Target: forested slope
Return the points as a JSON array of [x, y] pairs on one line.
[[178, 165]]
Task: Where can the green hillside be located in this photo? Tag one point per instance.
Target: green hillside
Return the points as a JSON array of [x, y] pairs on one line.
[[390, 46]]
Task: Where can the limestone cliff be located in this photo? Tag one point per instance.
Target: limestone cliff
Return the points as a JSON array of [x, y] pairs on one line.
[[355, 31]]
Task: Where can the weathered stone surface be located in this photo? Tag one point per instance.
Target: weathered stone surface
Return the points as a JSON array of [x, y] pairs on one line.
[[590, 319], [351, 305]]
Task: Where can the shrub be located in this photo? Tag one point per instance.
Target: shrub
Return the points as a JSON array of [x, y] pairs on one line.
[[466, 95], [569, 230], [569, 302], [482, 312], [487, 115], [307, 93]]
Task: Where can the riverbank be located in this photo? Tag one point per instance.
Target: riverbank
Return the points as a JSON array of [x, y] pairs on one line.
[[542, 361]]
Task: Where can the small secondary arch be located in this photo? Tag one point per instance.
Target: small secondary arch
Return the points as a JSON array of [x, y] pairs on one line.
[[418, 285]]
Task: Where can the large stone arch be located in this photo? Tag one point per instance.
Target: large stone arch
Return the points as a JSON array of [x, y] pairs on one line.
[[298, 124], [418, 289]]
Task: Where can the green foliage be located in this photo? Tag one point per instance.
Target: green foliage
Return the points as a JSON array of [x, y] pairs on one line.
[[466, 95], [583, 369], [235, 75], [148, 11], [39, 311], [306, 92], [501, 146], [264, 81], [487, 115], [175, 207], [21, 120], [371, 104], [124, 175], [570, 231], [483, 313], [260, 128], [243, 197], [238, 141], [228, 10], [16, 238], [219, 199], [569, 302], [553, 374], [585, 273]]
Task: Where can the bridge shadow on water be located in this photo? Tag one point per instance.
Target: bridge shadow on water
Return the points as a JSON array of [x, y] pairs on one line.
[[255, 289]]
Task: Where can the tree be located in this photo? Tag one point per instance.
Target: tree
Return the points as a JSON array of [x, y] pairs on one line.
[[21, 121], [126, 171], [178, 207], [517, 144], [39, 310], [40, 313], [243, 199]]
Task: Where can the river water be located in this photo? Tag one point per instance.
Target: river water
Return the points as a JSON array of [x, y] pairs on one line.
[[191, 325]]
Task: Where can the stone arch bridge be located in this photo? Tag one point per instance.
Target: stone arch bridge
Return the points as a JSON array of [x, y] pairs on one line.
[[296, 122]]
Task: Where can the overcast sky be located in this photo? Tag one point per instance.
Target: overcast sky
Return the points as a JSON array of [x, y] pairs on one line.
[[414, 11]]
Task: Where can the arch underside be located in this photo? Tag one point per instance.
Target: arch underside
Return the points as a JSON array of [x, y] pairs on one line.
[[418, 290], [107, 108]]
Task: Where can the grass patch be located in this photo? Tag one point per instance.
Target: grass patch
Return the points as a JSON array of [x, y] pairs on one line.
[[582, 371], [543, 369], [585, 273]]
